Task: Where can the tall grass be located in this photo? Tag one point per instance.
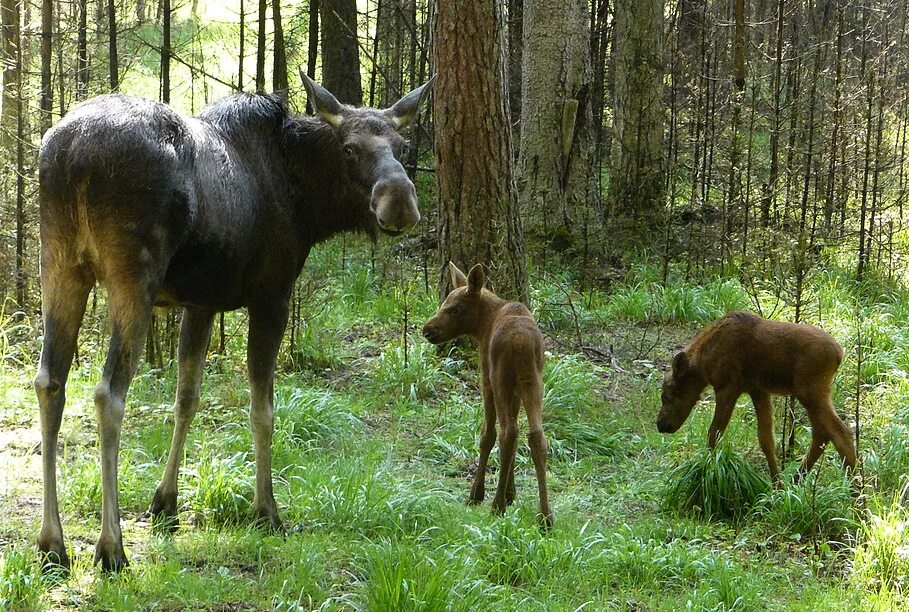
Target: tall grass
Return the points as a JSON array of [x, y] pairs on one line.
[[21, 583], [881, 562]]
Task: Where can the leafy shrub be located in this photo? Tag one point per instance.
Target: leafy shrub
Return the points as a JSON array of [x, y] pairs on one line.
[[714, 484]]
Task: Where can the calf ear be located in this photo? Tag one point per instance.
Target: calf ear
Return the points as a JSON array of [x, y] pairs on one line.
[[476, 279], [458, 278], [679, 364], [402, 113], [323, 102]]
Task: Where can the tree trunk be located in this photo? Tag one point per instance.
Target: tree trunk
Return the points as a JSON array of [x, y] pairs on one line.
[[637, 187], [312, 53], [260, 47], [82, 53], [47, 91], [554, 166], [478, 214], [279, 70], [516, 67], [165, 51], [112, 46], [242, 45], [340, 51]]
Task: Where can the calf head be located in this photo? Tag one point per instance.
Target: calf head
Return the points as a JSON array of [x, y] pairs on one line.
[[682, 388], [460, 313], [373, 147]]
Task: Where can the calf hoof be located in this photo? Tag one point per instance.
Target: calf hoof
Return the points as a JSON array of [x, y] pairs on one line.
[[111, 556], [53, 557], [163, 512], [267, 518]]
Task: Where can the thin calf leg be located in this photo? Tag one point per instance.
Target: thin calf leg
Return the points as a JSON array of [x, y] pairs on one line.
[[266, 329], [195, 335], [64, 294], [763, 409], [539, 448], [487, 441], [507, 406], [725, 403]]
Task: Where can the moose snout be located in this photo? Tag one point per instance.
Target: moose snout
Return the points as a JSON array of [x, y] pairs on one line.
[[432, 334], [665, 426], [395, 205]]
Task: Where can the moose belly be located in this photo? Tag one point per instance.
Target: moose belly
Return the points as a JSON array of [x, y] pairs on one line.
[[209, 279]]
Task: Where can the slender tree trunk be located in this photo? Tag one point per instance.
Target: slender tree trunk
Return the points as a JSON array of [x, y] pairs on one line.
[[242, 45], [312, 54], [554, 166], [47, 89], [82, 53], [112, 46], [478, 215], [279, 70], [340, 50], [260, 46], [165, 51]]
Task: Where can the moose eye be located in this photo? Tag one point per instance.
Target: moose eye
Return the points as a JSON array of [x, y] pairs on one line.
[[350, 152], [456, 310]]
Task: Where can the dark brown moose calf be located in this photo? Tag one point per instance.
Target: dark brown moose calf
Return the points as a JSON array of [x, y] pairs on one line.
[[511, 366], [742, 353]]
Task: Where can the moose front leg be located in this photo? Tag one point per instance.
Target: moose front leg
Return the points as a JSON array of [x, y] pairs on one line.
[[725, 403], [266, 329]]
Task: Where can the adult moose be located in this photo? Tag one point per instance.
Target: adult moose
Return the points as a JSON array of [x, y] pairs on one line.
[[742, 353], [211, 213]]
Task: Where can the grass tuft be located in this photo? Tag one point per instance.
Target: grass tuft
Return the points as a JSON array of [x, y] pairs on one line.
[[21, 584], [714, 484]]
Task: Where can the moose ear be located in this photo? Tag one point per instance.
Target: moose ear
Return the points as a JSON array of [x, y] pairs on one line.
[[458, 278], [476, 279], [403, 112], [323, 102], [679, 363]]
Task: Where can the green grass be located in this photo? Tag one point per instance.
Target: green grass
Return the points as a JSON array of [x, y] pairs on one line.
[[375, 444]]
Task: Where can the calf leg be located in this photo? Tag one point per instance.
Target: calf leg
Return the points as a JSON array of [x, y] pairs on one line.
[[819, 439], [487, 440], [824, 417], [195, 333], [130, 311], [764, 411], [539, 447], [266, 328], [64, 292], [725, 402], [507, 406]]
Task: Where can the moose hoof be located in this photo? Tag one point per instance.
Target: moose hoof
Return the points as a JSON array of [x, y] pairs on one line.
[[110, 555], [53, 558], [163, 512]]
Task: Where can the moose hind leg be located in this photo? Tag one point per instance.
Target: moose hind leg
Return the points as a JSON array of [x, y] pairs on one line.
[[507, 406], [266, 329], [487, 441], [539, 448], [195, 334], [130, 311], [64, 294]]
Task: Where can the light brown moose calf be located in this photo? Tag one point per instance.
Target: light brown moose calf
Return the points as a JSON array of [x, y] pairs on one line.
[[742, 353], [511, 366]]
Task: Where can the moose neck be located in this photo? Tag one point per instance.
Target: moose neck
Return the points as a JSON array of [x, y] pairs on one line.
[[327, 203], [490, 307]]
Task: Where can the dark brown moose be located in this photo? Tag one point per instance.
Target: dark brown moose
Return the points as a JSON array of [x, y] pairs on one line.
[[211, 213], [742, 353], [511, 366]]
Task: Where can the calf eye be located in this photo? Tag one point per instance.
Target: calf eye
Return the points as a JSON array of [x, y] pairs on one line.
[[456, 310]]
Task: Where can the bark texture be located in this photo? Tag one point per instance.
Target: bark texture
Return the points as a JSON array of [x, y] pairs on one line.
[[554, 166], [637, 183], [340, 52], [478, 214]]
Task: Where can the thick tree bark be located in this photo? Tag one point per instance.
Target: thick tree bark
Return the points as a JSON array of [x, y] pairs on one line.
[[478, 214], [340, 51], [637, 187], [515, 66], [554, 166], [279, 70]]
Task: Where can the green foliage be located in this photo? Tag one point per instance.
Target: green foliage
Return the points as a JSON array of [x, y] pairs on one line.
[[715, 483], [881, 561], [221, 486], [21, 583], [811, 509], [415, 374]]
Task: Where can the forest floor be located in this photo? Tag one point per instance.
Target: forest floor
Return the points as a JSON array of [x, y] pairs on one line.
[[375, 444]]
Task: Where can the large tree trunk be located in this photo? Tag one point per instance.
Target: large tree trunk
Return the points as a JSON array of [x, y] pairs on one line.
[[478, 214], [515, 65], [636, 183], [340, 51], [554, 167]]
